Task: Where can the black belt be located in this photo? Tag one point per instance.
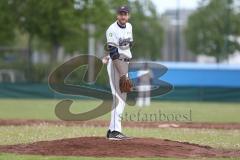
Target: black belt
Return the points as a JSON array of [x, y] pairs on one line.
[[125, 59]]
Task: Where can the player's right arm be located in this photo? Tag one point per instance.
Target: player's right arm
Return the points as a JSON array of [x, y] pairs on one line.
[[112, 43]]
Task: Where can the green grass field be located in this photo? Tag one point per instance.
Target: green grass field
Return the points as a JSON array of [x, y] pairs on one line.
[[44, 109], [27, 157]]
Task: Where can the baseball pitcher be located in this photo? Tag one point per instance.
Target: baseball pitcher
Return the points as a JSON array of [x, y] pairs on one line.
[[119, 41]]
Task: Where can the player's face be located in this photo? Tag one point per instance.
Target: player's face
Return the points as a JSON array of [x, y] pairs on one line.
[[123, 17]]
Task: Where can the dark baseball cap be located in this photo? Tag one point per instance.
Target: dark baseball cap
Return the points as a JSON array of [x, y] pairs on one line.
[[123, 9]]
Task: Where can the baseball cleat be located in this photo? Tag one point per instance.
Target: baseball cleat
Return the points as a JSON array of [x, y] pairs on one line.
[[117, 136], [108, 133]]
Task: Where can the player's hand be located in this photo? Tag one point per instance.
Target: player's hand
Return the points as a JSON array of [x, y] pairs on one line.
[[105, 59]]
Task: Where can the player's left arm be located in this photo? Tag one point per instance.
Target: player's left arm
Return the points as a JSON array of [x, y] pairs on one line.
[[131, 37]]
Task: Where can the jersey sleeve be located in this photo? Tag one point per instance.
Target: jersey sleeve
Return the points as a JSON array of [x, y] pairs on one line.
[[111, 36], [131, 36]]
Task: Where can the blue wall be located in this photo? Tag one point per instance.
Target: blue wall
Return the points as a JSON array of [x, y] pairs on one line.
[[199, 75], [202, 77]]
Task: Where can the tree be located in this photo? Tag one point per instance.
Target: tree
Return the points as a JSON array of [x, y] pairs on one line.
[[63, 25], [60, 23], [47, 21], [26, 16], [147, 30], [209, 30], [7, 26]]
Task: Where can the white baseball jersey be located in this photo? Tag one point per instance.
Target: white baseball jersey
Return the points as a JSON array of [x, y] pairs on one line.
[[120, 37]]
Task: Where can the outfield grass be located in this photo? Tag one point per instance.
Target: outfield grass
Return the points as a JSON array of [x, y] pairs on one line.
[[44, 109], [228, 139]]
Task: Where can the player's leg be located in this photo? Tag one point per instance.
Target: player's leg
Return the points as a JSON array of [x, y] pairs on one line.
[[147, 95], [118, 97], [140, 96]]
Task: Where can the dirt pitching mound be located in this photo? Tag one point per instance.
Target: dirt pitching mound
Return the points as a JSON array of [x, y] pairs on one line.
[[101, 147], [104, 123]]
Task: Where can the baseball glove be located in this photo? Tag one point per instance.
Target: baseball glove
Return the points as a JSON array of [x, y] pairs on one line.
[[125, 84]]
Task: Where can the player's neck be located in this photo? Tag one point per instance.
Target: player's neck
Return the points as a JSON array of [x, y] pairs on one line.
[[121, 25]]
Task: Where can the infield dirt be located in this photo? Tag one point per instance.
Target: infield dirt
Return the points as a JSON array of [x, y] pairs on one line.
[[102, 147], [104, 123]]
